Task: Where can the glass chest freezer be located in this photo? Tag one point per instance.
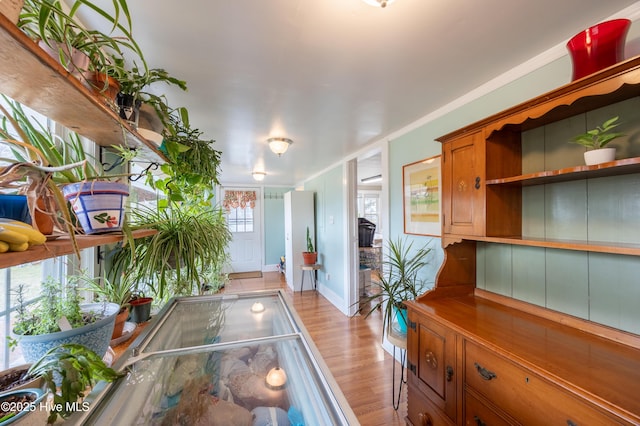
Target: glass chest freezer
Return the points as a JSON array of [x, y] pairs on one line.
[[241, 359]]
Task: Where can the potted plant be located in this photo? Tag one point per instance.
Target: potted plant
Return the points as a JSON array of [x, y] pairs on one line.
[[69, 371], [17, 403], [595, 141], [194, 165], [59, 317], [398, 282], [61, 170], [132, 84], [119, 291], [310, 256], [59, 32], [189, 242], [17, 377]]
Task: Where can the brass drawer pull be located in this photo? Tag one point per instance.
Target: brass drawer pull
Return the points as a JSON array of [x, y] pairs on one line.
[[484, 373], [431, 359], [425, 419]]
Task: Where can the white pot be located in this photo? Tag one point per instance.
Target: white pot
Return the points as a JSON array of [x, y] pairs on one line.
[[597, 156]]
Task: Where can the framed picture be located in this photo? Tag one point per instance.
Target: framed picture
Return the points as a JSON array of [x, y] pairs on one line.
[[422, 188]]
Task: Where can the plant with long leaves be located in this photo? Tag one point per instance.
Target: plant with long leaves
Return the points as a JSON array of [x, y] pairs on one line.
[[399, 280], [51, 22], [177, 259]]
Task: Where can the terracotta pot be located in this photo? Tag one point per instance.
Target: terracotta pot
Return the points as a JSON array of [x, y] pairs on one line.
[[121, 318], [43, 221], [102, 85], [309, 258]]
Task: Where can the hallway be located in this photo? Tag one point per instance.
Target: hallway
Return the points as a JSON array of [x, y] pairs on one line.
[[351, 348]]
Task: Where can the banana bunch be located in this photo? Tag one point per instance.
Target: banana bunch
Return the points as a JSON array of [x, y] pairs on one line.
[[18, 236]]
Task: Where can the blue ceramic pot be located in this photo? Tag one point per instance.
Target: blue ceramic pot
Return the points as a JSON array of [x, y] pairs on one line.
[[33, 406], [400, 319], [95, 336], [98, 205]]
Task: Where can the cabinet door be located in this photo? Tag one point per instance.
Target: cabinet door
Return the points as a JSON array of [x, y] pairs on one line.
[[432, 359], [463, 180]]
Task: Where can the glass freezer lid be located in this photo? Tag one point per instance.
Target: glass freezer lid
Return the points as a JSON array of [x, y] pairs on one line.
[[187, 322], [231, 383]]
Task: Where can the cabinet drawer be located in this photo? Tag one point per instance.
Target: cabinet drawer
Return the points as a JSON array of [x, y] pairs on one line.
[[476, 413], [525, 396], [421, 412]]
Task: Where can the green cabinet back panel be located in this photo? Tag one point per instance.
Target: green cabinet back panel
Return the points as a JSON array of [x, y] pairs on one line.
[[529, 275], [567, 278], [609, 277], [586, 285]]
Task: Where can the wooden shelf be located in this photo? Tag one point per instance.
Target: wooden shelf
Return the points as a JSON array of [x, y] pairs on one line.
[[33, 78], [613, 168], [62, 246], [590, 246]]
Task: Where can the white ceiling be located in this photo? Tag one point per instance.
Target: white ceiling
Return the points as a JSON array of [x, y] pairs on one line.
[[336, 75]]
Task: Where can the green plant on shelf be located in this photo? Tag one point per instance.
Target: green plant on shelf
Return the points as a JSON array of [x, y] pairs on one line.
[[600, 136]]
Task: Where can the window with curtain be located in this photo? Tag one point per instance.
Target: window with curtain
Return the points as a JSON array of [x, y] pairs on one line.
[[239, 206]]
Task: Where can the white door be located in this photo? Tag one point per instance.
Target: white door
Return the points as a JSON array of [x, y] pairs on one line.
[[242, 206]]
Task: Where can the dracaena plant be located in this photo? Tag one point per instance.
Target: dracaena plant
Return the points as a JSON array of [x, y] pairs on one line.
[[600, 136]]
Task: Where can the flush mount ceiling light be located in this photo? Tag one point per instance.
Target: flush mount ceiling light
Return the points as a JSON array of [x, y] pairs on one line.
[[259, 176], [378, 3], [370, 179], [279, 145]]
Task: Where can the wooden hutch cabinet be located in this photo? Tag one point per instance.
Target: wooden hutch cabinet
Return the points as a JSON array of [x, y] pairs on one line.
[[480, 357]]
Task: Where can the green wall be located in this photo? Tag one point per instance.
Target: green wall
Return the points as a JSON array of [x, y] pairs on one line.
[[274, 224], [330, 222], [525, 283]]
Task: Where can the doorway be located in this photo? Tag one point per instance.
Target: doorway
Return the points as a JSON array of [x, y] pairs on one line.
[[369, 214], [242, 209]]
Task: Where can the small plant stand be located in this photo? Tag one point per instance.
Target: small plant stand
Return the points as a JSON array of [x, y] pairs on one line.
[[399, 341], [312, 271]]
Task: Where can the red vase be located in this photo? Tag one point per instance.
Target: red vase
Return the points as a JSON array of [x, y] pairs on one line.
[[598, 47]]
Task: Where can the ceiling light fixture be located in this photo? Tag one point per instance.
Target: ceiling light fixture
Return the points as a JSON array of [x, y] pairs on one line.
[[259, 176], [370, 179], [279, 145], [379, 3]]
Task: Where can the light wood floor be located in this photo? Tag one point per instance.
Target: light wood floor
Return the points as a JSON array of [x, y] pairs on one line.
[[351, 348]]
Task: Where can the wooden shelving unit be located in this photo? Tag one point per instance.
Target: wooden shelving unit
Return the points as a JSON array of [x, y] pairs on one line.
[[31, 77], [613, 168], [63, 246]]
